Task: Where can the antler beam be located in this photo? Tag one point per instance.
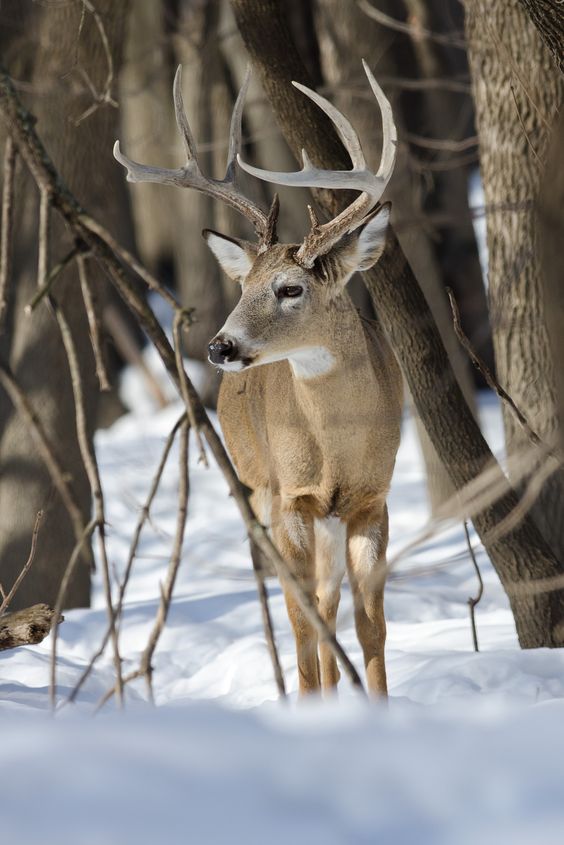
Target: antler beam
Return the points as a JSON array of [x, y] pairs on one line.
[[321, 238], [190, 175]]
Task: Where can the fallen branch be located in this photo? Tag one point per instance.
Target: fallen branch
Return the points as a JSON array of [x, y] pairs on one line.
[[27, 627]]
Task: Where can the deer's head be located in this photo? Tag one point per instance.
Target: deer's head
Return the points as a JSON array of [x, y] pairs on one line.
[[286, 289]]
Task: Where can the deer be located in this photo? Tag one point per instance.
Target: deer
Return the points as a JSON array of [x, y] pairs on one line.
[[311, 397]]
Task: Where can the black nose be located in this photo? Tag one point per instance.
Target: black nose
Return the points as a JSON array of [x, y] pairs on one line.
[[221, 349]]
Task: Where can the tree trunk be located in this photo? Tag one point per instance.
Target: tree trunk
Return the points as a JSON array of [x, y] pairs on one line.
[[61, 55], [521, 557], [347, 34], [548, 17], [518, 92], [550, 209]]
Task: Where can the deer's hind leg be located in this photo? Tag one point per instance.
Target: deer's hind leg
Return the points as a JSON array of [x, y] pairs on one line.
[[367, 540], [293, 535]]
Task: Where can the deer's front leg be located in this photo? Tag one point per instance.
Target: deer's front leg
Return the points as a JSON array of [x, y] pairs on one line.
[[367, 541], [293, 536]]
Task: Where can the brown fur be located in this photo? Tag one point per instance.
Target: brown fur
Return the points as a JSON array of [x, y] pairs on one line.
[[318, 447]]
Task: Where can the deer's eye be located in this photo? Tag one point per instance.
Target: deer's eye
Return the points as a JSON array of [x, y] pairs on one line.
[[289, 291]]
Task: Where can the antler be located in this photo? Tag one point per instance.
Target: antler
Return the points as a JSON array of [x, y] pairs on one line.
[[190, 175], [322, 237]]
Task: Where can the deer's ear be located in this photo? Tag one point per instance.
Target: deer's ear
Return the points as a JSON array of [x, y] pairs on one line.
[[236, 257], [362, 248]]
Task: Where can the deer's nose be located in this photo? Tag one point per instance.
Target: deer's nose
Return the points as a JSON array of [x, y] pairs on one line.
[[221, 349]]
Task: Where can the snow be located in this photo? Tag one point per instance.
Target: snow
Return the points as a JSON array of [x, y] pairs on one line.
[[470, 749]]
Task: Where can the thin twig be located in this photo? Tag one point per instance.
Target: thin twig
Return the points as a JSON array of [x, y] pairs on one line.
[[442, 144], [143, 517], [182, 318], [523, 127], [414, 31], [94, 325], [68, 574], [267, 622], [43, 247], [129, 347], [146, 666], [90, 464], [105, 97], [549, 465], [52, 277], [490, 379], [27, 565], [145, 669], [473, 600], [128, 258], [10, 157]]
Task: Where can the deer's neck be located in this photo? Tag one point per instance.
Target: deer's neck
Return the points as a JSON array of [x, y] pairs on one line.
[[339, 348]]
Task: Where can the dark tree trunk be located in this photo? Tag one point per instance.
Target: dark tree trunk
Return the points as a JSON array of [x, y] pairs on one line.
[[347, 34], [550, 210], [548, 17], [522, 559], [518, 92], [58, 56]]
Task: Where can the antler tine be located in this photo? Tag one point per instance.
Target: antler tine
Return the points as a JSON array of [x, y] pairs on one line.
[[321, 238], [344, 128], [389, 131], [236, 128], [190, 175], [181, 119]]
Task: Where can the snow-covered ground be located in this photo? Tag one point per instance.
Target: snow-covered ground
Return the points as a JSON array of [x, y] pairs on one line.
[[471, 748]]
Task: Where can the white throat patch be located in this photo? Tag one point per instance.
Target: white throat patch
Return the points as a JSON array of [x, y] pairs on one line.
[[311, 362]]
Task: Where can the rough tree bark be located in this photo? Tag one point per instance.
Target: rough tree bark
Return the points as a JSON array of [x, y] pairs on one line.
[[522, 558], [550, 210], [518, 91], [59, 55], [548, 17]]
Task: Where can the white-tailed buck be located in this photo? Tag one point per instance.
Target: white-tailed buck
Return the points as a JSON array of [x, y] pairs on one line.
[[311, 399]]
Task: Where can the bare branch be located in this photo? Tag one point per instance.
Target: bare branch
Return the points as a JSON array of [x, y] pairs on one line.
[[26, 567], [130, 349], [143, 517], [491, 381], [94, 325], [523, 127], [414, 30], [442, 144], [146, 667], [104, 97], [474, 600], [50, 280], [43, 251], [182, 318], [10, 158], [91, 467]]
